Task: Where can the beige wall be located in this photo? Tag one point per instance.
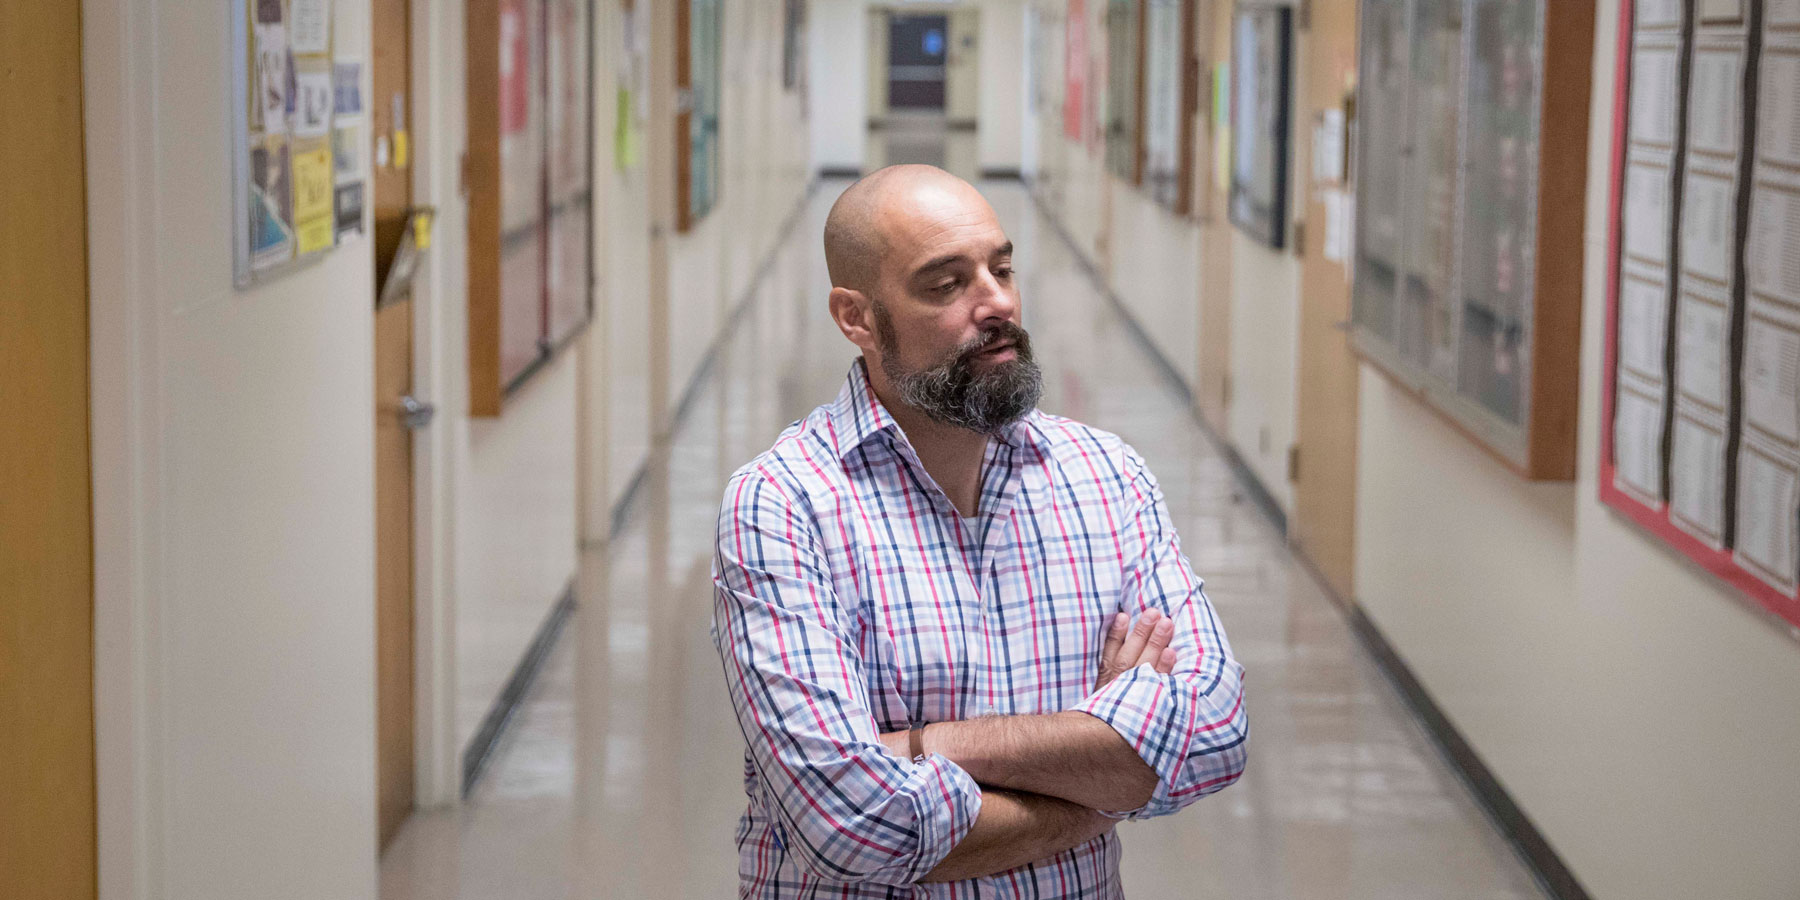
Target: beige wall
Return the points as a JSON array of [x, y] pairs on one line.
[[506, 562], [1644, 717], [766, 169], [234, 497], [1265, 330]]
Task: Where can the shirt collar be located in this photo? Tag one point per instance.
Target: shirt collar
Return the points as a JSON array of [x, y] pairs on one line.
[[857, 416]]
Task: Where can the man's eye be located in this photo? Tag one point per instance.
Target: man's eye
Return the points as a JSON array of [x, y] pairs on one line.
[[945, 288], [1003, 273]]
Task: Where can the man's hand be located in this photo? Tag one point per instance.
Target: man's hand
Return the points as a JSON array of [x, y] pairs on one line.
[[1128, 646]]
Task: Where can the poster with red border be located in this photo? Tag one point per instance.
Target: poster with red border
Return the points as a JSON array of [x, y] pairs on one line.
[[1719, 562]]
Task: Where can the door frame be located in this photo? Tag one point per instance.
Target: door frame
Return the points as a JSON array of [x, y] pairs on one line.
[[118, 43], [437, 42]]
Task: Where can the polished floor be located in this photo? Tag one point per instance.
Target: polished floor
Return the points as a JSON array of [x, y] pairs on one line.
[[620, 776]]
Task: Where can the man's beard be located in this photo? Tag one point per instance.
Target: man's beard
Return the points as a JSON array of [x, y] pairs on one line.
[[953, 393]]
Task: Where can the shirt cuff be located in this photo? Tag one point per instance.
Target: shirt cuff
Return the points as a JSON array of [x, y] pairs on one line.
[[1133, 704], [948, 800]]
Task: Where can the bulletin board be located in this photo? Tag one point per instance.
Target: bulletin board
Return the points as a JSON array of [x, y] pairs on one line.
[[530, 184], [1261, 38], [1171, 102], [1471, 158], [1700, 437], [298, 179], [1125, 41], [699, 57]]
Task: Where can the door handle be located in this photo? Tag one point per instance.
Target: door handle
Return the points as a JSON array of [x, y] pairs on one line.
[[416, 414]]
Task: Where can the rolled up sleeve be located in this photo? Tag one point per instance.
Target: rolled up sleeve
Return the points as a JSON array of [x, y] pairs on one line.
[[844, 808], [1189, 726]]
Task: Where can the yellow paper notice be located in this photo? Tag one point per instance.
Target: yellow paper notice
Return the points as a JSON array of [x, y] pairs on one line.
[[314, 234], [422, 230], [312, 198]]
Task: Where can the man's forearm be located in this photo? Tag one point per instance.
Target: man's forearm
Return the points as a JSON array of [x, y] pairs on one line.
[[1068, 755], [1013, 829]]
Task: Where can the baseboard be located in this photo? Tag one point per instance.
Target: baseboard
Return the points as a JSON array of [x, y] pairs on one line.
[[1552, 873], [481, 747], [1247, 478]]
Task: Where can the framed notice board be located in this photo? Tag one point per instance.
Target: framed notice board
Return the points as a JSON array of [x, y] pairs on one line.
[[1700, 428], [297, 138], [1471, 157], [1261, 39], [699, 60], [530, 178]]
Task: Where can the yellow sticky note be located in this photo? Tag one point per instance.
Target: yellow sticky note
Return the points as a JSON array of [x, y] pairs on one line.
[[312, 235], [402, 148], [422, 230], [312, 197]]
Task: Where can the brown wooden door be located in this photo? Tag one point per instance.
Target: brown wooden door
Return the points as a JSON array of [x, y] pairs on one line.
[[392, 202], [1324, 469], [47, 801]]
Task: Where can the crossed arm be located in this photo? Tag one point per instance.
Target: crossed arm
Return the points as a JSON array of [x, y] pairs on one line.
[[1045, 776]]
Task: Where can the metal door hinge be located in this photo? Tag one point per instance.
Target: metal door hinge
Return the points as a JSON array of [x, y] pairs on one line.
[[1303, 15], [1299, 238], [1293, 462]]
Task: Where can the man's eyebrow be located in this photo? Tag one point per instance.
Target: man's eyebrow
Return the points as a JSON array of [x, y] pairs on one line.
[[950, 259]]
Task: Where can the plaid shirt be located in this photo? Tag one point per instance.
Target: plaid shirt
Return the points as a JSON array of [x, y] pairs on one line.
[[851, 598]]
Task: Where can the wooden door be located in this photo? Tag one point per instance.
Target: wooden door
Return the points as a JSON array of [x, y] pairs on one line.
[[1324, 465], [47, 846], [392, 203]]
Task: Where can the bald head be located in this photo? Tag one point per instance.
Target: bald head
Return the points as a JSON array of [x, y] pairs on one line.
[[859, 229]]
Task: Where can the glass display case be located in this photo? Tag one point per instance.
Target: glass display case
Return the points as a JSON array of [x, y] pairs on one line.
[[1453, 297]]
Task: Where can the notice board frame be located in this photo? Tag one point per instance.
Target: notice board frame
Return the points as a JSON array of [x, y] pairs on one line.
[[1541, 445], [1718, 562], [490, 386]]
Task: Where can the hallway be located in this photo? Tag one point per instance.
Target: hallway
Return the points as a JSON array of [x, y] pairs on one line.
[[621, 773]]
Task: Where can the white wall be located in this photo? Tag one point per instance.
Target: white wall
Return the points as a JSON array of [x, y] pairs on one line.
[[1265, 332], [512, 480], [1643, 716], [837, 82], [1156, 272], [234, 498], [764, 177], [1001, 115]]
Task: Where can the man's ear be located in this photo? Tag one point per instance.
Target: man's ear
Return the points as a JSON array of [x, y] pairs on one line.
[[850, 310]]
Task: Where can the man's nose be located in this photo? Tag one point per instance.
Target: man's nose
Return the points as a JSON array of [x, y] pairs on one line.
[[994, 300]]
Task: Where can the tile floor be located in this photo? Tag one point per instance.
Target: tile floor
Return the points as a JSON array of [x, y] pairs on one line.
[[620, 776]]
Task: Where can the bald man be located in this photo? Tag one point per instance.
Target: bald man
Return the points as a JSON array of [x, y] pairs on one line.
[[959, 633]]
